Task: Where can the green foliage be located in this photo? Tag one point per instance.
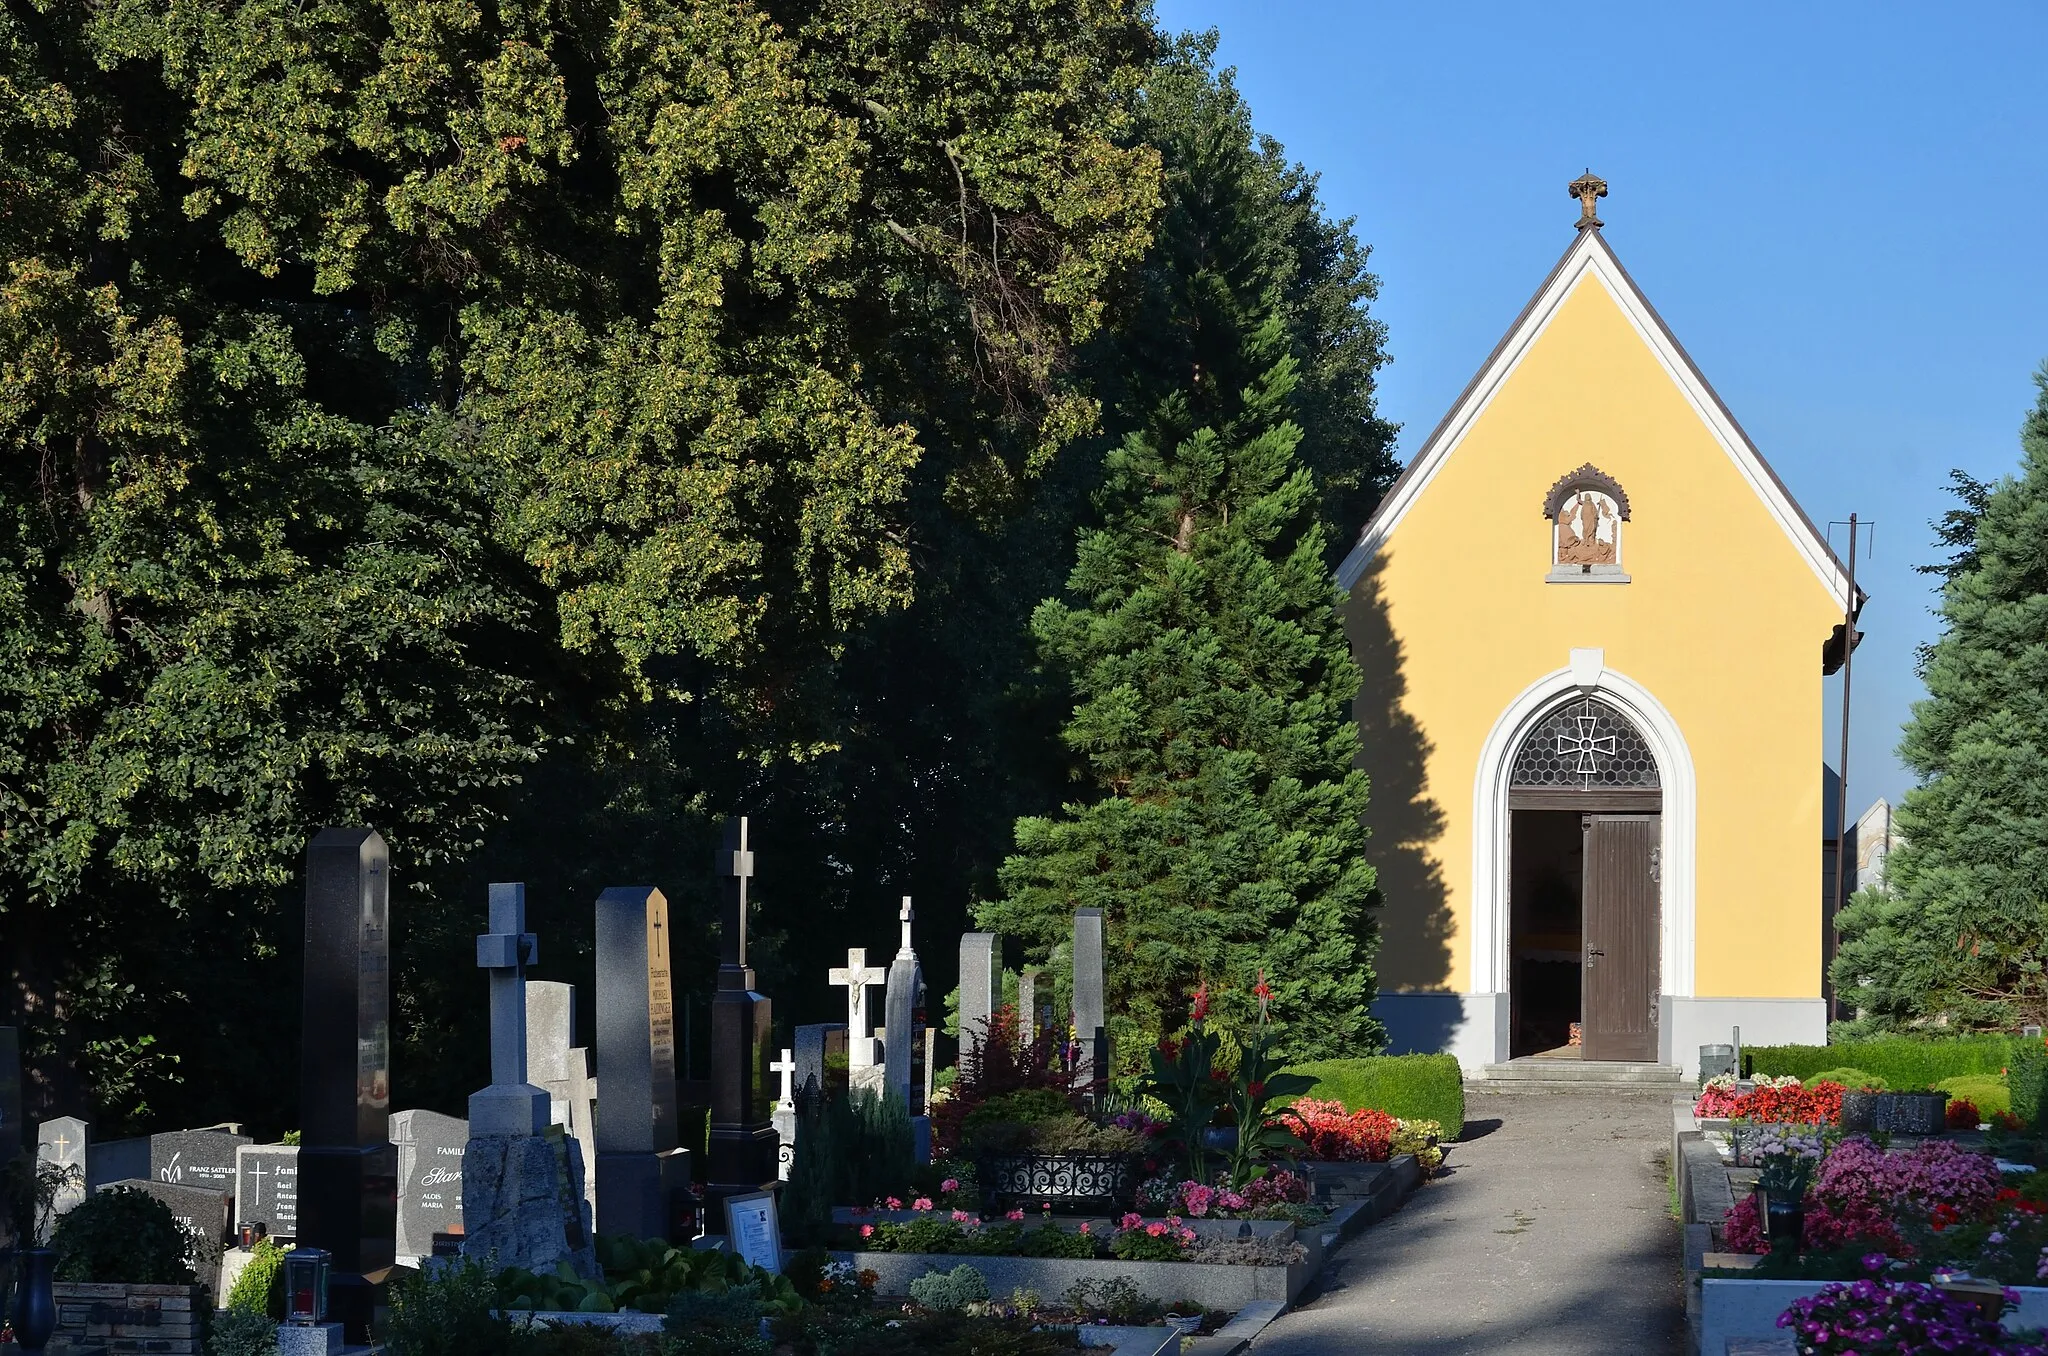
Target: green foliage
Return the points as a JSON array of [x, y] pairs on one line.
[[1850, 1078], [1958, 936], [121, 1235], [402, 396], [259, 1289], [1184, 1079], [242, 1332], [1987, 1092], [1051, 1240], [2027, 1080], [805, 1210], [647, 1275], [1255, 1088], [879, 1151], [1904, 1063], [941, 1292], [1117, 1299], [1411, 1087], [448, 1310]]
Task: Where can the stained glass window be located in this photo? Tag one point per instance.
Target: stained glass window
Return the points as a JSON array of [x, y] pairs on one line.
[[1585, 743]]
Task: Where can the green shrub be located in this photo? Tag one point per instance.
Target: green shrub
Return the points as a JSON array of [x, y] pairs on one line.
[[1852, 1079], [1413, 1087], [447, 1310], [943, 1291], [121, 1236], [242, 1332], [2027, 1082], [1903, 1062], [1986, 1092], [259, 1289], [1050, 1240]]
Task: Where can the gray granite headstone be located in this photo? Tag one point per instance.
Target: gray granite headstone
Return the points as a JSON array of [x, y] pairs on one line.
[[430, 1149], [814, 1045], [981, 986], [636, 1063], [203, 1158], [1030, 1001], [61, 1143], [13, 1115], [203, 1215], [905, 1010], [267, 1188], [550, 1035], [1089, 1029]]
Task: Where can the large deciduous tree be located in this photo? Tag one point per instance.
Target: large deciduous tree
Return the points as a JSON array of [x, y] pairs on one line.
[[392, 391], [1961, 934]]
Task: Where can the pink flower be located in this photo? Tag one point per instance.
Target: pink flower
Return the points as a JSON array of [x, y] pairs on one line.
[[950, 1184], [962, 1217], [893, 1203], [867, 1231], [1014, 1216], [921, 1203], [1087, 1230], [1155, 1229], [1197, 1198], [1130, 1221]]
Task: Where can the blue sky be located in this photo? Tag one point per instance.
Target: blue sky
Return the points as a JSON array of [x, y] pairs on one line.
[[1841, 210]]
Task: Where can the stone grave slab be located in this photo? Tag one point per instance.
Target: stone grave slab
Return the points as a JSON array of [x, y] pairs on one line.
[[201, 1212]]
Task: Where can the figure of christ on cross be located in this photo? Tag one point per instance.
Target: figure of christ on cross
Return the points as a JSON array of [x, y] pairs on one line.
[[857, 977]]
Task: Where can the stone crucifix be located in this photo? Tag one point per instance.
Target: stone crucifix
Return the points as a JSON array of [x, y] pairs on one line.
[[1588, 188], [510, 1106], [856, 978]]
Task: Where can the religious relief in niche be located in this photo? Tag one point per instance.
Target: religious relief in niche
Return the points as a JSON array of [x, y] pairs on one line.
[[1586, 510]]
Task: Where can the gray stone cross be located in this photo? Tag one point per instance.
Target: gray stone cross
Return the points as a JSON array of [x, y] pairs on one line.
[[510, 1106], [904, 915]]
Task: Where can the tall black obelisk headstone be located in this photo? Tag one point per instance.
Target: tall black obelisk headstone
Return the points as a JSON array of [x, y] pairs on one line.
[[348, 1169], [743, 1139], [639, 1170]]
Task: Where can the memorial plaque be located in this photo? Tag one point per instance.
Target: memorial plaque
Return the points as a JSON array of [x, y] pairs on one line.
[[267, 1188], [430, 1149]]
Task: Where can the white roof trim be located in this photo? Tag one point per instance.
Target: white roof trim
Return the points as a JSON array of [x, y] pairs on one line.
[[1591, 257]]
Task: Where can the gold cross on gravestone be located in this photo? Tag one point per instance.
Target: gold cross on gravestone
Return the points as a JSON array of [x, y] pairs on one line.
[[1588, 188]]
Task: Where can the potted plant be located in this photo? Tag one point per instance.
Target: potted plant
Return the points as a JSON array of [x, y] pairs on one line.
[[120, 1262], [1786, 1157]]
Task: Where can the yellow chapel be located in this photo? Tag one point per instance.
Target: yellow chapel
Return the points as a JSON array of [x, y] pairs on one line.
[[1593, 626]]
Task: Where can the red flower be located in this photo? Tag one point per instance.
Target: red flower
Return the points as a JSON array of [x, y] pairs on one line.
[[1256, 1089], [1201, 1008], [1263, 990]]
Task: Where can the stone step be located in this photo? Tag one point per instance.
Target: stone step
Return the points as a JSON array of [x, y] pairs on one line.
[[1570, 1072]]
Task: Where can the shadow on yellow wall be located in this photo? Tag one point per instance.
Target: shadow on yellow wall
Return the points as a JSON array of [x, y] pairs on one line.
[[1414, 911]]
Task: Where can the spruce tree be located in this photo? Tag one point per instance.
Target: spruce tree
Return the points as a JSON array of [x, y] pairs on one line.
[[1212, 675], [1961, 938]]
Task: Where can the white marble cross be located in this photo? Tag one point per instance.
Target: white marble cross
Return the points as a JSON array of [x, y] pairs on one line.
[[904, 915], [857, 978], [786, 1066]]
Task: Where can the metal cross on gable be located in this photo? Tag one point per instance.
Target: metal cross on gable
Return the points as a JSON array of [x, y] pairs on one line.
[[1585, 745]]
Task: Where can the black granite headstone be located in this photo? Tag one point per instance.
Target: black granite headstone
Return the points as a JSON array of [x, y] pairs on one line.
[[743, 1139], [196, 1158], [430, 1149], [13, 1115], [348, 1170], [267, 1188], [637, 1168], [201, 1212]]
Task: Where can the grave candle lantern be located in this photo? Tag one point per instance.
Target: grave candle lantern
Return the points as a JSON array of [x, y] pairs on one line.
[[305, 1285]]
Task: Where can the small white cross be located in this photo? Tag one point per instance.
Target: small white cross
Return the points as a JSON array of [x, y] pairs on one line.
[[1585, 744], [904, 915], [786, 1066]]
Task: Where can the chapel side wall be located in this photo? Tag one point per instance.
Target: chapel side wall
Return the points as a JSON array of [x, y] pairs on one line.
[[1722, 623]]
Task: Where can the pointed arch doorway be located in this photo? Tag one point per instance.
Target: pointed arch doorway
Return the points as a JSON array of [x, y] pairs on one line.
[[1584, 834]]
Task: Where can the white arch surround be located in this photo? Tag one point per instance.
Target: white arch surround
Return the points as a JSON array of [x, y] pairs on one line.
[[1586, 675]]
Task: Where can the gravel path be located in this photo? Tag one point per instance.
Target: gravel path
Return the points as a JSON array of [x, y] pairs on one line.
[[1552, 1236]]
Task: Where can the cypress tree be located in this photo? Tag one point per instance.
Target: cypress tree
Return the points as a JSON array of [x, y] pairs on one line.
[[1211, 675], [1961, 937]]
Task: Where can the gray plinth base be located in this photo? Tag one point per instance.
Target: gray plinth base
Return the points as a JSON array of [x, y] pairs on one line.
[[322, 1339], [521, 1207], [635, 1191], [508, 1109]]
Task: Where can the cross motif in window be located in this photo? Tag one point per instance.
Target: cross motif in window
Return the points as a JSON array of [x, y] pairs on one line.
[[1584, 745]]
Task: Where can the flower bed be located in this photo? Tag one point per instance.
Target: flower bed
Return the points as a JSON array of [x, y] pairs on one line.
[[1770, 1099]]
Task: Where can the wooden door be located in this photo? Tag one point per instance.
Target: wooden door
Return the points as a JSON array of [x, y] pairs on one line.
[[1620, 902]]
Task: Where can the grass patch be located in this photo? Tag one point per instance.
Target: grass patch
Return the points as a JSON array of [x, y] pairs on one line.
[[1905, 1064], [1413, 1087]]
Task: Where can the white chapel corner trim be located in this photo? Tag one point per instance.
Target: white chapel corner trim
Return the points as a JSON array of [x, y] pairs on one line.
[[1591, 256], [1586, 675]]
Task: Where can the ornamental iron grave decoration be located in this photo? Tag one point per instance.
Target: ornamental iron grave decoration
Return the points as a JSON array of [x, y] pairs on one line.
[[1585, 509], [1585, 743]]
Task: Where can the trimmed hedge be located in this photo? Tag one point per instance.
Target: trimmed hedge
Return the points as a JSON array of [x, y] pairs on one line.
[[2028, 1081], [1905, 1064], [1986, 1092], [1413, 1087]]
